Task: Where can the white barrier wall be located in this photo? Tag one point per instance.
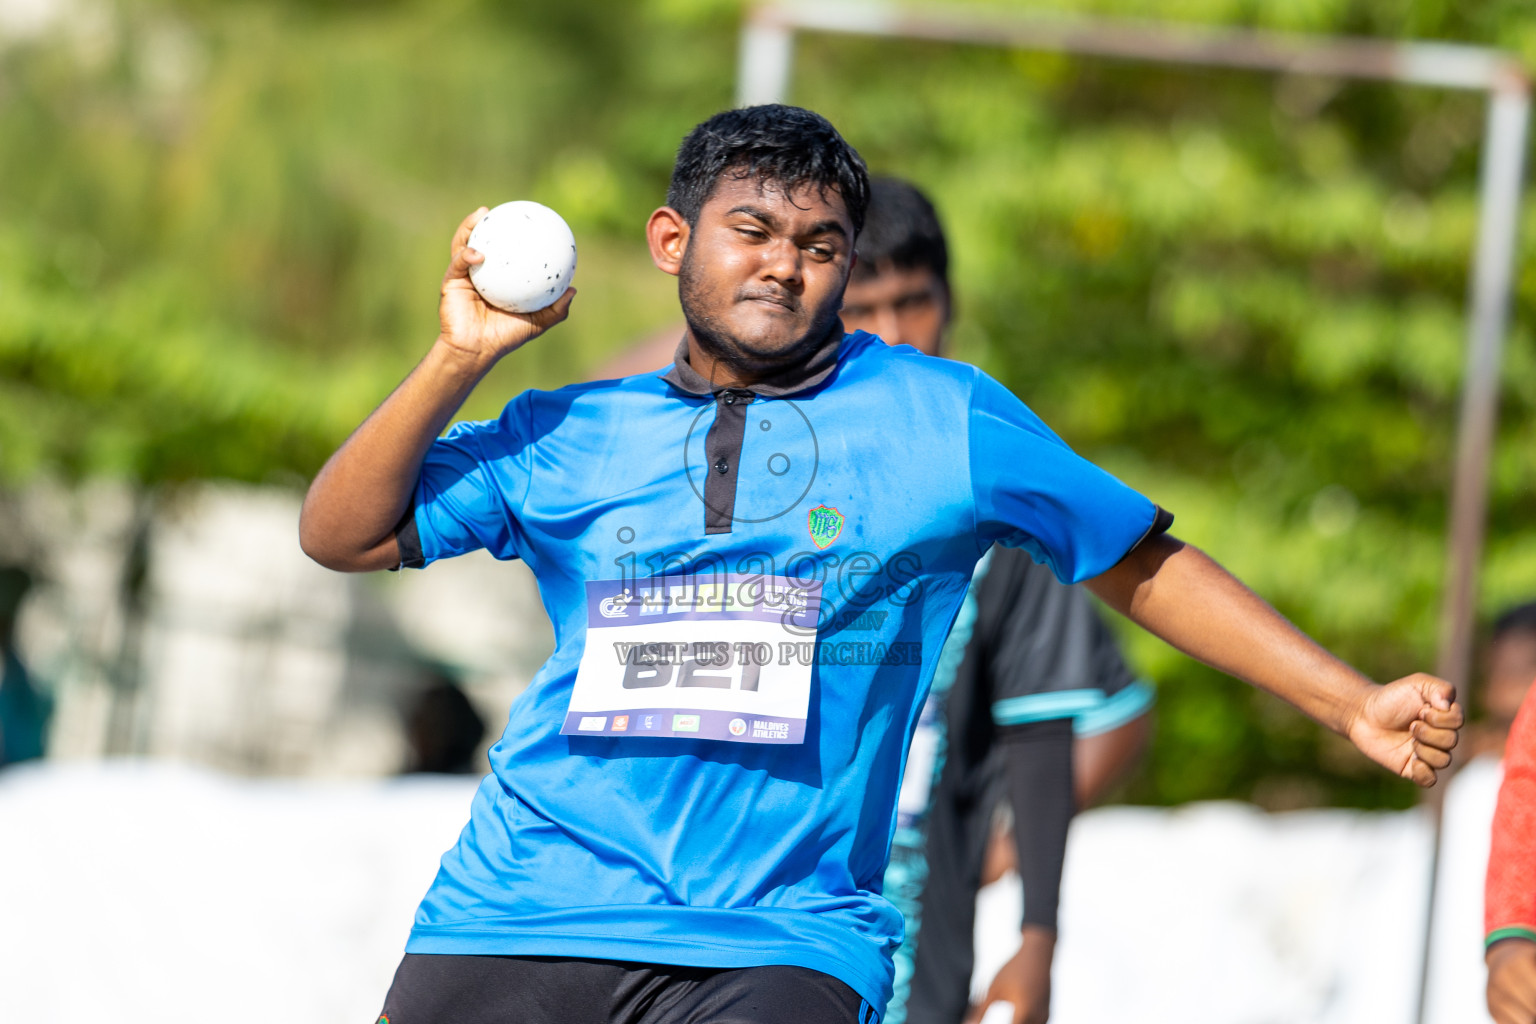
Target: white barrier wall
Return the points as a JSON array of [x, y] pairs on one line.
[[143, 893], [1219, 912]]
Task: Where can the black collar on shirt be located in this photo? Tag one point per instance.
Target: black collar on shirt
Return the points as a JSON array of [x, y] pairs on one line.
[[788, 381], [722, 445]]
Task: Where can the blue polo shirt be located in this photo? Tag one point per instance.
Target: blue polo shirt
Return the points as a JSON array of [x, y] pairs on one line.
[[874, 479]]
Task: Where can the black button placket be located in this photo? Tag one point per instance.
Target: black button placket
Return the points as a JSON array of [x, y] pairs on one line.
[[722, 445]]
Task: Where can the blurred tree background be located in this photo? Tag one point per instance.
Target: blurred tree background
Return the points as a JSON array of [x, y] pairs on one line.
[[222, 225]]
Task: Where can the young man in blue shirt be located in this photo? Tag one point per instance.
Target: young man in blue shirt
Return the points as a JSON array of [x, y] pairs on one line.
[[751, 563]]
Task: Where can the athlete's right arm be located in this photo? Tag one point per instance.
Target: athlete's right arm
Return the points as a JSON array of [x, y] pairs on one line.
[[365, 489]]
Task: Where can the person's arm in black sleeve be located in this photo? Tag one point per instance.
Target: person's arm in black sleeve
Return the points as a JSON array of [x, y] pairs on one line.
[[1037, 767], [1041, 669], [1037, 773]]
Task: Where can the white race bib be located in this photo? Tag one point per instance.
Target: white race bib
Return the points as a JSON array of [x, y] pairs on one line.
[[723, 657]]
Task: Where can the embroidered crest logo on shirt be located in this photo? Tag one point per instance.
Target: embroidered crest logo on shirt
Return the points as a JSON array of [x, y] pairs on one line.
[[711, 657], [825, 523]]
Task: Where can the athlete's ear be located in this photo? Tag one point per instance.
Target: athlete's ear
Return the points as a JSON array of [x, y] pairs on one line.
[[667, 232]]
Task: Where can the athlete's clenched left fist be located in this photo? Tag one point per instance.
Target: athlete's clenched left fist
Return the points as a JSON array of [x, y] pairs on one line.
[[1409, 725]]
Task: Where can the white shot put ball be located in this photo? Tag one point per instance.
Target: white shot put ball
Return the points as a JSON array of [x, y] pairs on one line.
[[530, 256]]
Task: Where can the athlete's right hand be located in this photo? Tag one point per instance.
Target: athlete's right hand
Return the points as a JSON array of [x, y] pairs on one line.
[[473, 327]]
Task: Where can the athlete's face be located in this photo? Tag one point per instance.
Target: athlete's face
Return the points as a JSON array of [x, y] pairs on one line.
[[761, 272], [902, 306]]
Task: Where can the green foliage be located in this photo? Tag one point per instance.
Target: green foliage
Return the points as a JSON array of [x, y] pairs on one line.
[[221, 225]]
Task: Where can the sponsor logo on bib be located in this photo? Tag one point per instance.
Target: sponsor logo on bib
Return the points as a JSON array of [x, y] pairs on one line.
[[738, 727], [617, 606], [825, 523], [685, 723]]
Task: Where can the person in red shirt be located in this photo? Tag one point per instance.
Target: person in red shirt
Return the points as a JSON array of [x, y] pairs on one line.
[[1509, 904]]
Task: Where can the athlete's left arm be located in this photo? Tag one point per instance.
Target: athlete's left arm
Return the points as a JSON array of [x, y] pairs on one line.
[[1175, 591]]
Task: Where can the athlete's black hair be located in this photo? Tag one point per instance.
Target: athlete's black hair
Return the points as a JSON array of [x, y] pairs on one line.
[[1519, 619], [789, 146], [902, 230]]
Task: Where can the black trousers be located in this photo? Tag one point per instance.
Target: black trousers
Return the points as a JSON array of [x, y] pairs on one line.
[[460, 989]]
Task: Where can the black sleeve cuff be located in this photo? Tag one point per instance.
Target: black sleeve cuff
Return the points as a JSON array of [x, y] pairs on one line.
[[1162, 519], [409, 542]]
